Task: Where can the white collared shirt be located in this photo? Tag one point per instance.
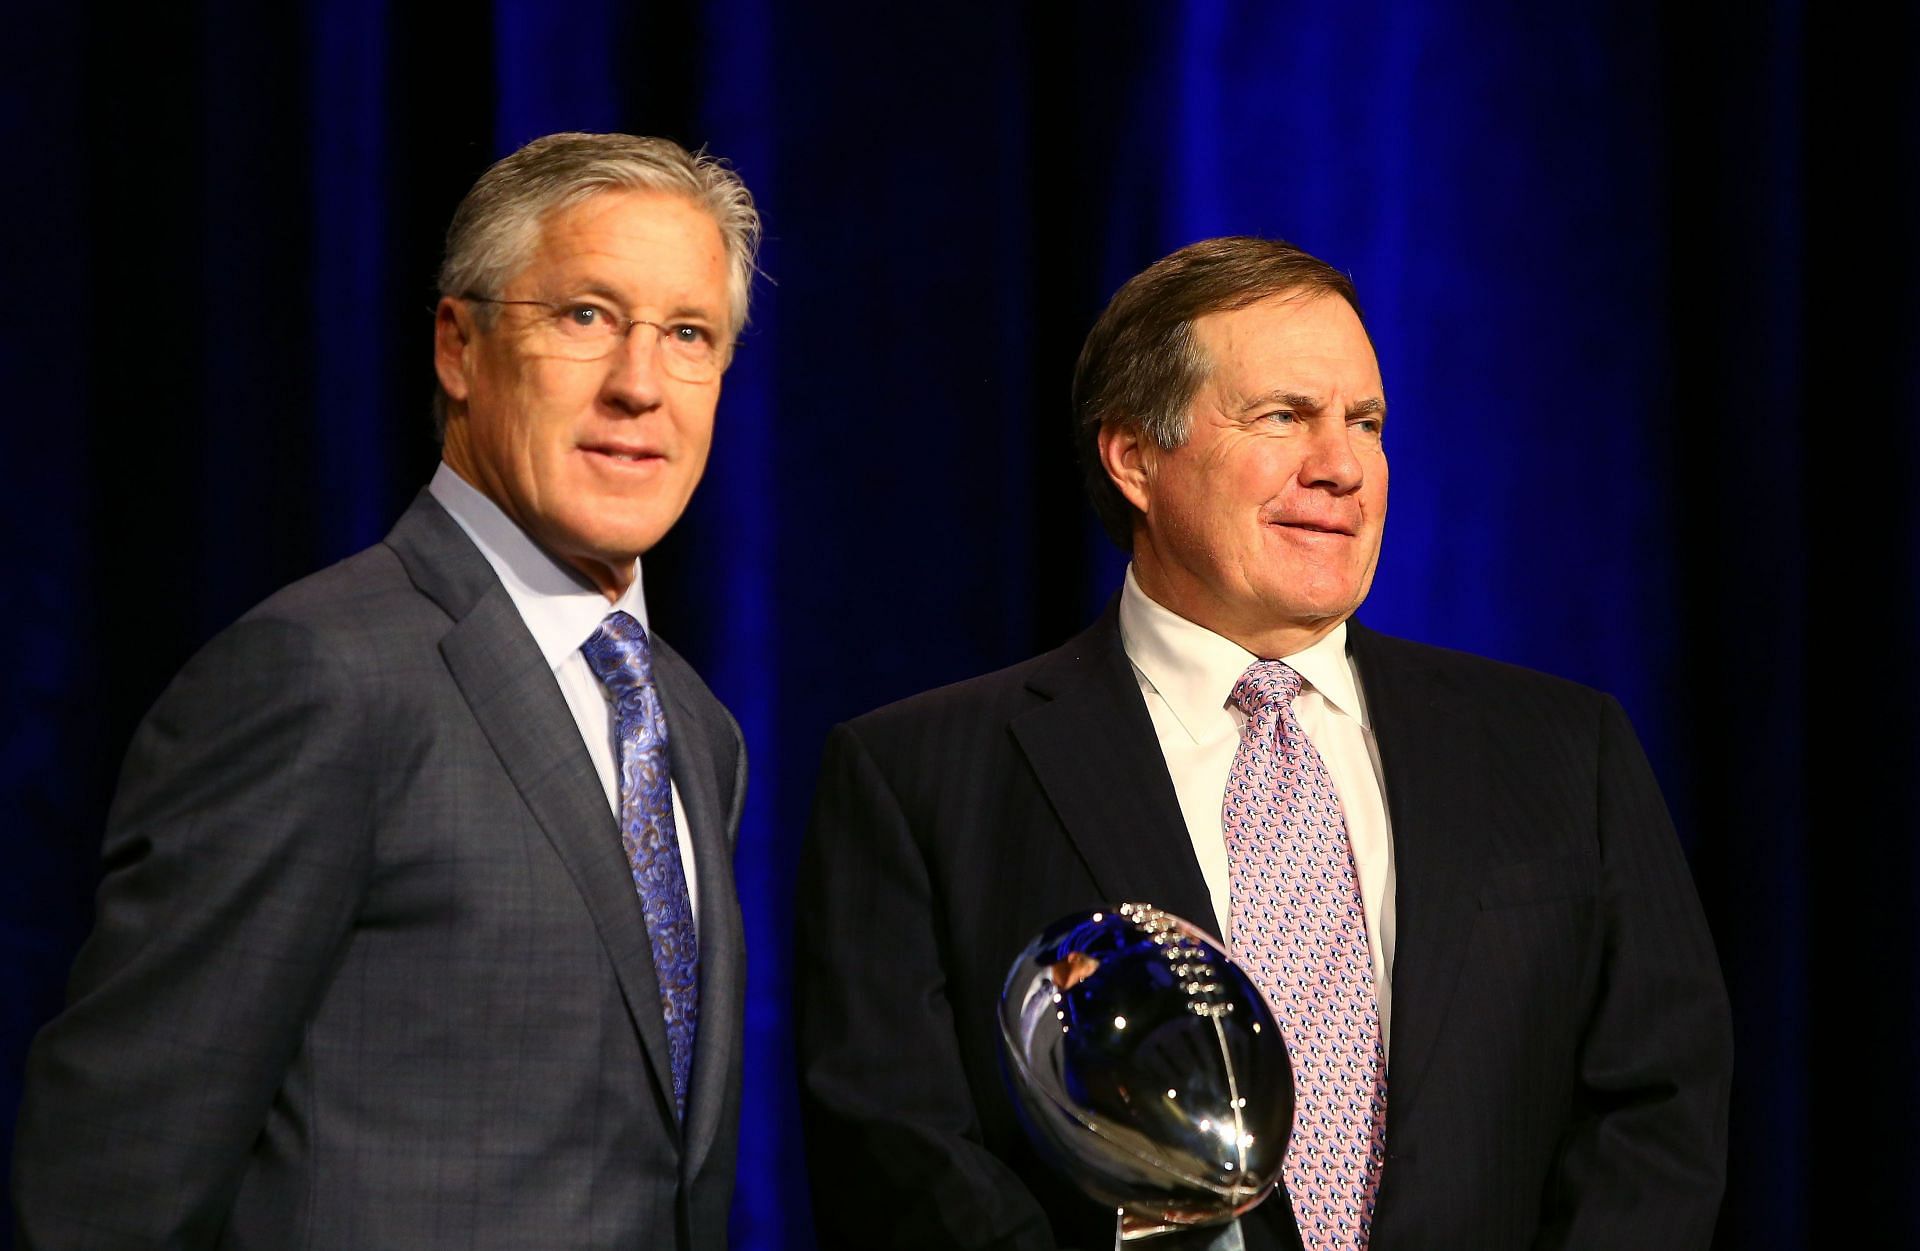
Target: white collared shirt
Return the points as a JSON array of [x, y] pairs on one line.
[[561, 611], [1187, 674]]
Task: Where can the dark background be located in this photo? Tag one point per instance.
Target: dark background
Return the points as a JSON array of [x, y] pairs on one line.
[[1643, 286]]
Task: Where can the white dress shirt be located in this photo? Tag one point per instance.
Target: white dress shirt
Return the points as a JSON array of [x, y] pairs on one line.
[[1187, 674], [561, 610]]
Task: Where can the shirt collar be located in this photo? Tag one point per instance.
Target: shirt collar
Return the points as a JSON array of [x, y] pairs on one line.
[[561, 609], [1194, 669]]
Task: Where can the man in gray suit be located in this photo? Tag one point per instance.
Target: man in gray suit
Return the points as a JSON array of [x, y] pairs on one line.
[[418, 926]]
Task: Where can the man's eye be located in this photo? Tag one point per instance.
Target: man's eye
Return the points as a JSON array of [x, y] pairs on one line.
[[585, 316], [691, 336], [1283, 416]]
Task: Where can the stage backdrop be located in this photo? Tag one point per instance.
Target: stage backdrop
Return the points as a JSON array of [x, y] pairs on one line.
[[1643, 288]]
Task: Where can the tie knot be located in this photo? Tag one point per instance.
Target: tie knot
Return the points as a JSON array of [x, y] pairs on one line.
[[618, 655], [1265, 684]]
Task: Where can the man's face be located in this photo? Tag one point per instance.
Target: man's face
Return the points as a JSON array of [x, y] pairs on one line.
[[595, 459], [1265, 525]]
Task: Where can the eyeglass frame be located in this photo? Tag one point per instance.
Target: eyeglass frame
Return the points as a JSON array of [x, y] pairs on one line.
[[722, 353]]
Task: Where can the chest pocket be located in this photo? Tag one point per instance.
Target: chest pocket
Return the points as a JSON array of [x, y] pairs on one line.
[[1556, 879]]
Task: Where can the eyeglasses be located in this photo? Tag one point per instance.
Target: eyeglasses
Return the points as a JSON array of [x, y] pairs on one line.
[[585, 331]]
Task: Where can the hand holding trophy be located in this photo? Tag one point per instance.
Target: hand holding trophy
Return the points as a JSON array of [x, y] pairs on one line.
[[1148, 1067]]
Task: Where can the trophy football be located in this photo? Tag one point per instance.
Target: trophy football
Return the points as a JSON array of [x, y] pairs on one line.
[[1148, 1067]]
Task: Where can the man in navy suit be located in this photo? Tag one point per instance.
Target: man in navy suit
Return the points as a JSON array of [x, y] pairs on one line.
[[1505, 939], [418, 925]]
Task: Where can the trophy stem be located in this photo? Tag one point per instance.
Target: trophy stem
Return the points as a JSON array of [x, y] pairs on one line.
[[1175, 1238]]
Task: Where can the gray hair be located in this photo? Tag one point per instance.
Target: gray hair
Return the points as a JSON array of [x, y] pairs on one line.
[[497, 225], [1141, 365]]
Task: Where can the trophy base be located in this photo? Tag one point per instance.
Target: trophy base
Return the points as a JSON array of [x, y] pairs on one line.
[[1178, 1238]]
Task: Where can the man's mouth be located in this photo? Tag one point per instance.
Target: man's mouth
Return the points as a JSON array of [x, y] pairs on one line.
[[1314, 527], [624, 454]]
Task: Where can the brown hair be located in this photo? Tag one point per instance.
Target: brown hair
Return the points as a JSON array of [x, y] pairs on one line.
[[1141, 366]]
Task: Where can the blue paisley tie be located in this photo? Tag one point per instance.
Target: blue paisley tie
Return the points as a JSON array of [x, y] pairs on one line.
[[618, 655]]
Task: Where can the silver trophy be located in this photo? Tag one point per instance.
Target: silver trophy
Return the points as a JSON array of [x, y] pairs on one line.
[[1147, 1065]]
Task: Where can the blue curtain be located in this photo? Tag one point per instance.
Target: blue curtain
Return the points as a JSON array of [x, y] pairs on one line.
[[1643, 283]]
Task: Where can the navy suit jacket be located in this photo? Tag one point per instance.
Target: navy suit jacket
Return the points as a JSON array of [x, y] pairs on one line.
[[1561, 1047], [368, 968]]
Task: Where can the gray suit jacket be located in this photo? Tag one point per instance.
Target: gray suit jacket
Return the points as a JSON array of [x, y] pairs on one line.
[[368, 967]]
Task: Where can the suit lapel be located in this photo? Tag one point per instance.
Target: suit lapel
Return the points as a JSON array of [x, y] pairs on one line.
[[1436, 783], [512, 695], [700, 748], [1092, 747]]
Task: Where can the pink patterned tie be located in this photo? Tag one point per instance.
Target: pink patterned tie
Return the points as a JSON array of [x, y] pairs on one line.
[[1300, 932]]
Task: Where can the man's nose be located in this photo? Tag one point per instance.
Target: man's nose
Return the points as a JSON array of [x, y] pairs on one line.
[[633, 378], [1331, 460]]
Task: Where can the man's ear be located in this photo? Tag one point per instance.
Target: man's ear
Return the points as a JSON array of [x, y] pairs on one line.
[[1127, 454], [453, 332]]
